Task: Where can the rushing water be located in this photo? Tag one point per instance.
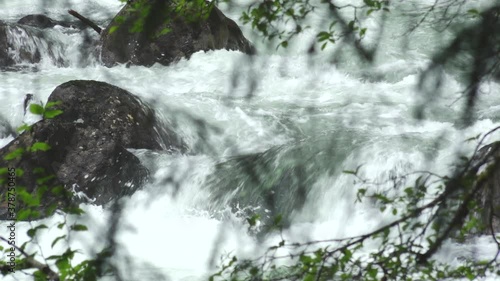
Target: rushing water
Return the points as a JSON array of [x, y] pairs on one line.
[[277, 111]]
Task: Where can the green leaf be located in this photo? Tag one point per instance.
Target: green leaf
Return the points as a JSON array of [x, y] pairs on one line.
[[54, 257], [369, 3], [79, 227], [19, 172], [310, 277], [347, 256], [332, 25], [32, 232], [36, 109], [409, 191], [38, 170], [63, 264], [51, 209], [14, 154], [24, 214], [252, 221], [362, 32], [473, 12], [164, 31], [112, 29], [361, 194], [39, 275], [39, 146], [120, 19], [278, 219], [49, 114], [323, 36], [44, 179], [75, 211], [28, 198], [305, 259], [254, 271], [351, 25], [57, 189], [57, 240], [23, 127], [52, 104], [473, 138], [372, 272]]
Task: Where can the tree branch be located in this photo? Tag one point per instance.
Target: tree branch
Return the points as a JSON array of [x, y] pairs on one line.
[[85, 21], [32, 263]]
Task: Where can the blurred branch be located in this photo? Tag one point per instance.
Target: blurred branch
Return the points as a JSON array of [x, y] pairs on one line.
[[32, 263]]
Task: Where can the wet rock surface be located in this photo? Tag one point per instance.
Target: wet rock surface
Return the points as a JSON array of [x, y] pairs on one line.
[[165, 42], [88, 142]]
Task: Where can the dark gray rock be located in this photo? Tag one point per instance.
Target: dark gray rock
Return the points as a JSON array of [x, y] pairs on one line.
[[89, 142], [5, 58], [43, 21], [40, 21], [152, 45], [5, 128], [23, 52]]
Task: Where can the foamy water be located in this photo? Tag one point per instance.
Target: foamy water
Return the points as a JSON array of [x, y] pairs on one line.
[[343, 115]]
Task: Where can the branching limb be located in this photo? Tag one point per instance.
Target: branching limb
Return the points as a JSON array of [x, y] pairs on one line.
[[33, 263]]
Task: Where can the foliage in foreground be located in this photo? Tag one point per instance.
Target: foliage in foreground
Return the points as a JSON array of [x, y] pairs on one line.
[[426, 213], [433, 210]]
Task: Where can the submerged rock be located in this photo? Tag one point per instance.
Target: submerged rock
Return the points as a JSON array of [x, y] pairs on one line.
[[5, 59], [40, 21], [26, 42], [21, 44], [258, 184], [279, 182], [6, 129], [88, 145], [43, 21], [165, 42]]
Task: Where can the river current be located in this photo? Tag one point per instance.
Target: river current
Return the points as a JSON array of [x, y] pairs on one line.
[[282, 108]]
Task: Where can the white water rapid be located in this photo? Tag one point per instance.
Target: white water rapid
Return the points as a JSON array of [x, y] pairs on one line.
[[327, 115]]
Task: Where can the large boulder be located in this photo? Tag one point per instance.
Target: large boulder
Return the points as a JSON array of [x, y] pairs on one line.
[[167, 36], [88, 142]]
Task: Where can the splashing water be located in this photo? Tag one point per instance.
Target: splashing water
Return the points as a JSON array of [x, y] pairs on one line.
[[303, 112]]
